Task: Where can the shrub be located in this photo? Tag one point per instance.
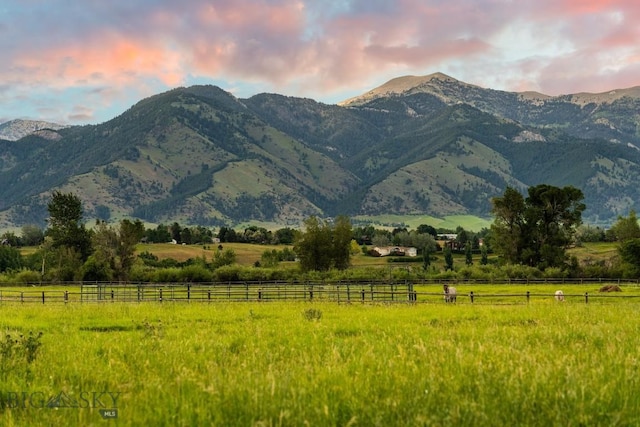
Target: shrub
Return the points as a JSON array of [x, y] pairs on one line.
[[446, 275], [196, 273], [96, 270], [172, 274], [521, 271], [312, 314], [555, 272], [227, 273], [27, 276], [141, 273], [18, 353]]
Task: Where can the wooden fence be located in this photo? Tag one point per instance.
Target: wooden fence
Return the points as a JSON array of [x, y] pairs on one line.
[[341, 292]]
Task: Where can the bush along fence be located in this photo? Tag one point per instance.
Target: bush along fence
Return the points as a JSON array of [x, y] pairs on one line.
[[342, 292]]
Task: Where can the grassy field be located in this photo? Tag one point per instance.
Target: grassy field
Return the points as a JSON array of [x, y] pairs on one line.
[[248, 254], [468, 222], [322, 364]]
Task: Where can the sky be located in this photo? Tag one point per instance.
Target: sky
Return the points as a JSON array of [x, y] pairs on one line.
[[87, 61]]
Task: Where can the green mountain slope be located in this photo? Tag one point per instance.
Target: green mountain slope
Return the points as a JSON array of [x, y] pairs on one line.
[[417, 145]]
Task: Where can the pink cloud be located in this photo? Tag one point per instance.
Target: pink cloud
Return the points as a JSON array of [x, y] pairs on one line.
[[315, 48]]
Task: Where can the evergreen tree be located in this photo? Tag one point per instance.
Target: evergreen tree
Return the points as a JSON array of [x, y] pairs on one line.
[[448, 258], [484, 255], [426, 258], [468, 253], [65, 224]]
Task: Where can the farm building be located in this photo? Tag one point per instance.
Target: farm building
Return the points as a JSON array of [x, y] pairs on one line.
[[395, 251]]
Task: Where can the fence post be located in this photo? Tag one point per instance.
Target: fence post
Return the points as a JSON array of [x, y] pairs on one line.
[[259, 294], [471, 296], [528, 296], [189, 292], [160, 294], [43, 297], [21, 296], [112, 294], [66, 296], [586, 297], [209, 294], [363, 295]]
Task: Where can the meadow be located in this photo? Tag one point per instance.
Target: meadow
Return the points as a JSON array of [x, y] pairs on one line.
[[300, 363]]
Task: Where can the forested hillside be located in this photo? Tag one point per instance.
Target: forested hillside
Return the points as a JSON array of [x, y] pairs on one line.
[[424, 145]]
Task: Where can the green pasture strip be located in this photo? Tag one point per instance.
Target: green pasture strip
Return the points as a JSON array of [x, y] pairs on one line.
[[323, 364]]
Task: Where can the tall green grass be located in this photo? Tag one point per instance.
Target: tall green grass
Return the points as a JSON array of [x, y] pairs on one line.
[[360, 364]]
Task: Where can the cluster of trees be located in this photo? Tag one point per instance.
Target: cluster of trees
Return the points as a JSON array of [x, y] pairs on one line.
[[324, 245], [533, 231], [627, 231], [31, 235], [70, 251], [536, 230], [203, 235]]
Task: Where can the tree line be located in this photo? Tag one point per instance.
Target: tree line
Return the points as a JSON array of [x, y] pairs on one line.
[[533, 231]]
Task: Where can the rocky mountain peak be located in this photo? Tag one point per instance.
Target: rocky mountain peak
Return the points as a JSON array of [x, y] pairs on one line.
[[15, 129]]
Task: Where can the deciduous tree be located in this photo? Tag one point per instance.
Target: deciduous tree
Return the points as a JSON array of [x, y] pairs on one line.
[[114, 253], [341, 242], [32, 235], [323, 246], [508, 228], [629, 251], [536, 231], [10, 258], [626, 228]]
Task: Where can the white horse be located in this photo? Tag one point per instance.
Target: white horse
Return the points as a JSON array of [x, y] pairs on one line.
[[450, 293], [559, 295]]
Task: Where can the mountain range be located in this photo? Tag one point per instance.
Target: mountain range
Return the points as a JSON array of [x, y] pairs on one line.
[[417, 145]]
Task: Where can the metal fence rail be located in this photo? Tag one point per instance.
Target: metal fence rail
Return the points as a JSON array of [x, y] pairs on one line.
[[339, 292], [233, 291]]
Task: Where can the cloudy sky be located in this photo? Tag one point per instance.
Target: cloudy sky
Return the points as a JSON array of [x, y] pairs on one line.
[[86, 61]]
